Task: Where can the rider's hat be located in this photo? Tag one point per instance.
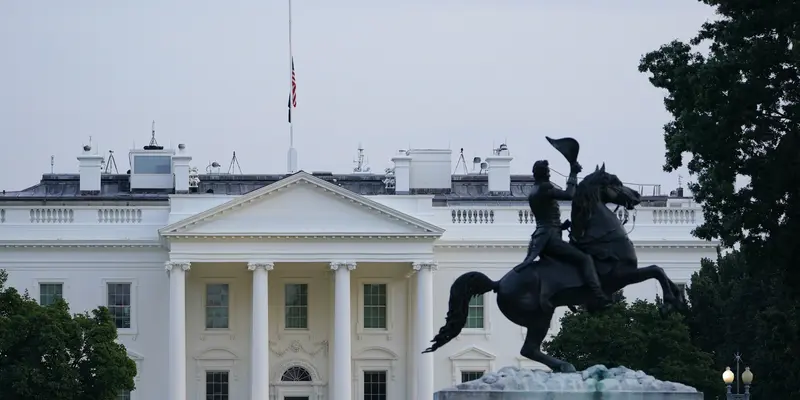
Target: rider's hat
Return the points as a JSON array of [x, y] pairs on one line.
[[568, 147]]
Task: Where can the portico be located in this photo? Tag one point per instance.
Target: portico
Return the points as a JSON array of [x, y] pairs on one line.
[[305, 229]]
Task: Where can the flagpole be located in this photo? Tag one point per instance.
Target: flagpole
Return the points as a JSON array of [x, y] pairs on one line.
[[291, 158], [291, 70]]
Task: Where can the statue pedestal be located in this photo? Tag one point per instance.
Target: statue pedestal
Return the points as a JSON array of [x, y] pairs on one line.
[[595, 383], [507, 395]]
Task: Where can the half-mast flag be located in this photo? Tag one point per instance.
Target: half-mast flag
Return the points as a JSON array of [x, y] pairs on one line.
[[292, 94]]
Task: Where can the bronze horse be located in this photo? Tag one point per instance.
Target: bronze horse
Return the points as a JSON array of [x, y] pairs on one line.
[[521, 296]]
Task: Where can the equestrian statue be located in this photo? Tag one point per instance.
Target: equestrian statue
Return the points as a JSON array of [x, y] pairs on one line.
[[598, 260]]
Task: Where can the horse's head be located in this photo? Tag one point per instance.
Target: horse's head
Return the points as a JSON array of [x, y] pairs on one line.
[[610, 188], [593, 193]]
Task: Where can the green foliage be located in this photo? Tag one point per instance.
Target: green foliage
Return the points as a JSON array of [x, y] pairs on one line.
[[635, 336], [735, 112], [734, 311], [47, 354]]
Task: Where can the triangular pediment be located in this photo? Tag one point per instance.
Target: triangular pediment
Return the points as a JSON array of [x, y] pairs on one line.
[[472, 353], [302, 205]]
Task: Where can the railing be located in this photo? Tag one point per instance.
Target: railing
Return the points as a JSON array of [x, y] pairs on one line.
[[83, 215], [485, 215], [523, 216], [119, 215], [57, 215]]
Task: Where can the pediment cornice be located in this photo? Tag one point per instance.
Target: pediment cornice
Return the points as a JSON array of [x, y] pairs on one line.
[[185, 227]]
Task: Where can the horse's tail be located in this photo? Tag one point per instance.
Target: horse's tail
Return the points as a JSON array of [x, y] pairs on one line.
[[464, 288]]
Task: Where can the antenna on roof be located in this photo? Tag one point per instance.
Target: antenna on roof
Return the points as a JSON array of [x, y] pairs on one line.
[[111, 163], [52, 163], [153, 143], [461, 162], [361, 161], [234, 164]]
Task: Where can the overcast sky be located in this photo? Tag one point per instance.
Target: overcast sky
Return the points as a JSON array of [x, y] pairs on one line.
[[389, 74]]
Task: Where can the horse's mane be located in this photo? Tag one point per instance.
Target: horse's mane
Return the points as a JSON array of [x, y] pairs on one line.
[[587, 194]]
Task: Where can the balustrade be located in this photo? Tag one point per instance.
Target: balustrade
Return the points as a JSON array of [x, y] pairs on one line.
[[119, 215], [501, 215], [84, 215], [458, 215]]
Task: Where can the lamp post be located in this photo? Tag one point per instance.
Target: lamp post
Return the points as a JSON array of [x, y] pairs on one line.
[[746, 378]]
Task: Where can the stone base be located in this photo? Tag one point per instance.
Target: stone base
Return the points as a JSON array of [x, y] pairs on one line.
[[594, 383], [507, 395]]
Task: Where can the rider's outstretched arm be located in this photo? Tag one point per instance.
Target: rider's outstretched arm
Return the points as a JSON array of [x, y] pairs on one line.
[[566, 194]]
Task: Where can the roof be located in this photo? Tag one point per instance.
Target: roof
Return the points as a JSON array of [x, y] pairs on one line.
[[116, 187]]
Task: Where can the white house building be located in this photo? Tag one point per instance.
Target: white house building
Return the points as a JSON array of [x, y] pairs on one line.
[[303, 286]]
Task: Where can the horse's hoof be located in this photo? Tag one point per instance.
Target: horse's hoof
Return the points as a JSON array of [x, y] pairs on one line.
[[567, 367]]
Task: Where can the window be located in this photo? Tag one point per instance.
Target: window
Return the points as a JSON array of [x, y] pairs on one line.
[[217, 306], [296, 300], [374, 385], [217, 385], [467, 376], [296, 374], [375, 306], [119, 304], [49, 292], [124, 395], [152, 165], [475, 317]]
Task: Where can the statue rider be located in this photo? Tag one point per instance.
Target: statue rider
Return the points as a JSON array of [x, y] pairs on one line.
[[546, 239]]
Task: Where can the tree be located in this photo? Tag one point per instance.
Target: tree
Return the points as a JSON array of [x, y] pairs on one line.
[[735, 112], [635, 336], [733, 311], [49, 354]]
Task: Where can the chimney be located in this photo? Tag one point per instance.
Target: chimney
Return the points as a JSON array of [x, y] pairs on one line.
[[431, 170], [90, 168], [402, 172], [180, 168], [500, 171]]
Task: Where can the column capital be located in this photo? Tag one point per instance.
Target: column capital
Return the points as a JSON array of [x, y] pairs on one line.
[[183, 265], [422, 265], [254, 265], [350, 265]]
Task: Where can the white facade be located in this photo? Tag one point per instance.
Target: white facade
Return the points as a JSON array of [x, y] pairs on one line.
[[368, 280]]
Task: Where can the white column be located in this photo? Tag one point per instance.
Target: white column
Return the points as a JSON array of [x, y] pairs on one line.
[[424, 324], [176, 270], [259, 347], [342, 353]]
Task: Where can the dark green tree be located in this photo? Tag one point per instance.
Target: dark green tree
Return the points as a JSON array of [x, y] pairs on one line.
[[48, 354], [731, 311], [635, 336], [733, 94]]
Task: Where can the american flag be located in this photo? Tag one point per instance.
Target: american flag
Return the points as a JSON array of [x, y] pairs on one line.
[[292, 94]]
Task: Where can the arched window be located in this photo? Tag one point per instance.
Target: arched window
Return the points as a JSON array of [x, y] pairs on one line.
[[296, 374]]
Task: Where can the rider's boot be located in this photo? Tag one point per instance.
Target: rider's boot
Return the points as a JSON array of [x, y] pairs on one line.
[[601, 300]]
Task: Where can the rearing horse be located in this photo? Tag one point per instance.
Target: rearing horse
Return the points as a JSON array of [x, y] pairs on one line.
[[523, 297]]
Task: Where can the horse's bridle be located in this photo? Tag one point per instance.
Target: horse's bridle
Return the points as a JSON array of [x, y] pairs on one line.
[[628, 207], [625, 217]]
